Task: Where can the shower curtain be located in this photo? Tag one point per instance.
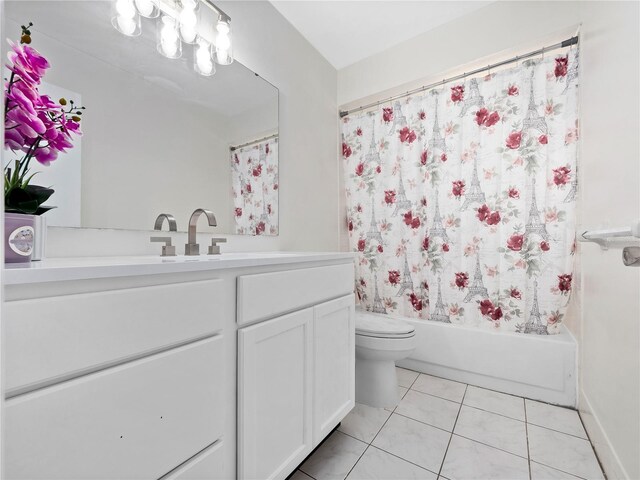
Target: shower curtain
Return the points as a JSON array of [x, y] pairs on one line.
[[254, 184], [461, 200]]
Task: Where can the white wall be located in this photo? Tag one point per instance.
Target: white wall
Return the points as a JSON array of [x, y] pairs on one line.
[[266, 43], [606, 311]]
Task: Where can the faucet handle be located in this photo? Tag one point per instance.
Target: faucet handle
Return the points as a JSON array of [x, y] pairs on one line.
[[168, 250], [215, 249]]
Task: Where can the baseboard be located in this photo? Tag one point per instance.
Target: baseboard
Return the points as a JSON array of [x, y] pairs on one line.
[[609, 460]]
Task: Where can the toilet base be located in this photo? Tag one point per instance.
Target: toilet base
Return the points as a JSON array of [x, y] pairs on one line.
[[376, 383]]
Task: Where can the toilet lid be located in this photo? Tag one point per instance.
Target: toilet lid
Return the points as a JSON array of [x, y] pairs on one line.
[[381, 326]]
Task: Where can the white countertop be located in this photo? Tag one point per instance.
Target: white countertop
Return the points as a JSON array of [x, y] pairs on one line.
[[83, 268]]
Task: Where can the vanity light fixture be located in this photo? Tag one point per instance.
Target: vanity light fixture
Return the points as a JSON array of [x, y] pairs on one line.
[[180, 21]]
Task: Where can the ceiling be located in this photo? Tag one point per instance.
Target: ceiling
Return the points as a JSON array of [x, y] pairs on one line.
[[347, 31]]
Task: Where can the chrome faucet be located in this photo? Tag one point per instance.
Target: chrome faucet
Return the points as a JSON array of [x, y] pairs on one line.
[[192, 248], [173, 226]]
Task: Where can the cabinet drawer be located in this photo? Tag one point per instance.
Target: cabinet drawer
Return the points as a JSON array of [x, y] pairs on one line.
[[206, 465], [134, 421], [74, 334], [267, 295]]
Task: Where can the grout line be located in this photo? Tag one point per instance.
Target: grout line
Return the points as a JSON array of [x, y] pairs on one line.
[[403, 459], [452, 429], [423, 423], [490, 446], [526, 431], [357, 461], [557, 469], [584, 427], [434, 396]]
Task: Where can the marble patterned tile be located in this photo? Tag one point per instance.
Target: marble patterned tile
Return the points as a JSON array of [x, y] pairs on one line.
[[495, 402], [492, 429], [414, 441], [406, 377], [562, 419], [378, 465], [402, 391], [335, 458], [563, 452], [298, 475], [440, 387], [542, 472], [428, 409], [364, 422], [469, 460]]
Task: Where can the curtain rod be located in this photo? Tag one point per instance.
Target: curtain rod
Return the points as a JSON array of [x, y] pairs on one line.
[[565, 43], [232, 147]]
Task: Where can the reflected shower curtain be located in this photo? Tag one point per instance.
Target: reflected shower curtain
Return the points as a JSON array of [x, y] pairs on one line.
[[461, 200], [254, 184]]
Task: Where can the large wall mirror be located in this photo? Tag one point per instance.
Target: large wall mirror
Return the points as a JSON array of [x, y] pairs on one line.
[[158, 137]]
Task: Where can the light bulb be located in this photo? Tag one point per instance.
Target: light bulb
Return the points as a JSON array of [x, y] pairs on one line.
[[224, 55], [203, 62], [147, 8], [125, 8], [223, 27], [168, 40], [223, 41], [127, 25], [188, 20]]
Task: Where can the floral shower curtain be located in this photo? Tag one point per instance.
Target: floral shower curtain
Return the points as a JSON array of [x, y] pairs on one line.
[[461, 200], [254, 183]]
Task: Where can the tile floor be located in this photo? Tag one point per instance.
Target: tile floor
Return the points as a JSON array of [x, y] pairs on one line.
[[448, 430]]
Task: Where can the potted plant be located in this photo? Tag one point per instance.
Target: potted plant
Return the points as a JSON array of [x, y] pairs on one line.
[[35, 128]]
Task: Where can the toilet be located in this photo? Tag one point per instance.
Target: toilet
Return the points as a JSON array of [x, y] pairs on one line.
[[380, 342]]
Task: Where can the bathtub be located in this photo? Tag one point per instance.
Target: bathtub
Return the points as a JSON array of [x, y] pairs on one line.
[[537, 367]]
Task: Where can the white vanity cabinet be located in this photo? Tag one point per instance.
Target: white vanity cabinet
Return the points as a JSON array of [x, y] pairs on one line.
[[295, 371]]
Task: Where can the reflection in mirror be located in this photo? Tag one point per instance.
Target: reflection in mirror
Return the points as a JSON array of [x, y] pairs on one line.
[[157, 135]]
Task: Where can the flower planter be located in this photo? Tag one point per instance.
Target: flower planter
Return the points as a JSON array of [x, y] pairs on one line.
[[18, 237]]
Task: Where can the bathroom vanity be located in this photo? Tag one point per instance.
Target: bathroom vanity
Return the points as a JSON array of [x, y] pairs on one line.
[[186, 368]]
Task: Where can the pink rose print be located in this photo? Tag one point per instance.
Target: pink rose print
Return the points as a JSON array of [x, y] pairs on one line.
[[390, 197], [387, 114], [346, 150], [425, 243], [360, 169], [445, 247], [515, 242], [458, 188], [462, 280], [543, 140], [350, 225], [564, 283], [361, 245], [378, 169], [394, 277], [238, 212], [422, 115], [359, 132], [248, 187], [483, 213], [423, 157], [492, 119], [493, 218], [486, 307], [380, 250], [515, 293], [407, 135], [554, 318], [514, 193], [257, 171], [561, 66], [443, 157], [513, 140], [496, 314], [481, 116], [457, 93], [260, 228], [571, 136], [409, 219], [544, 246], [561, 175], [266, 149], [513, 90], [551, 215], [416, 302]]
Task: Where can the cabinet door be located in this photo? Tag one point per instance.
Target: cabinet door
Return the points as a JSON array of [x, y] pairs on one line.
[[334, 364], [274, 396]]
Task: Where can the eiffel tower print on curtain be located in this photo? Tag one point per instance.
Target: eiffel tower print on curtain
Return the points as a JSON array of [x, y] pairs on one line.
[[534, 323], [264, 217], [439, 313], [436, 141], [477, 287], [532, 119], [474, 195], [534, 225], [372, 155], [572, 72], [472, 98], [399, 120], [374, 232], [402, 202], [437, 229], [406, 283], [573, 191], [378, 306]]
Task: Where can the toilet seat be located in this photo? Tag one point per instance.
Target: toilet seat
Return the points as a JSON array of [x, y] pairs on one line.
[[378, 326]]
